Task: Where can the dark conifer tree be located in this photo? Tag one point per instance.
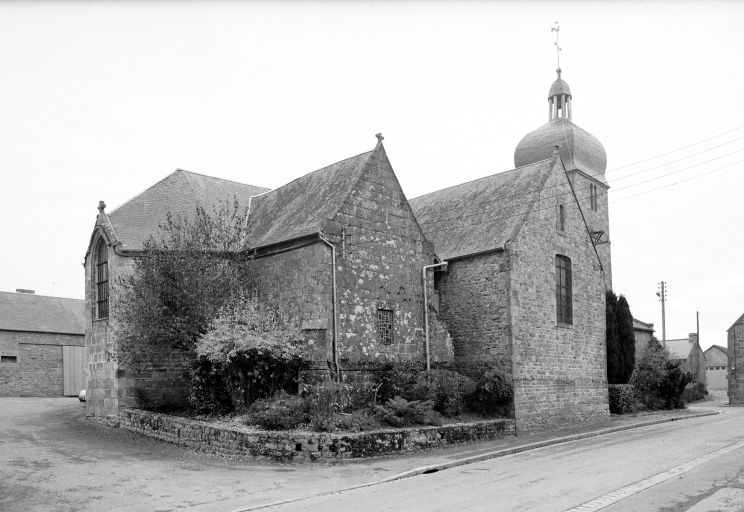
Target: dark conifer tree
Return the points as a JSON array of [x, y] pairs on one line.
[[620, 339]]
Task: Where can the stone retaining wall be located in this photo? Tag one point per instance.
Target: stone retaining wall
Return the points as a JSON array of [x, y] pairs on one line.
[[303, 446]]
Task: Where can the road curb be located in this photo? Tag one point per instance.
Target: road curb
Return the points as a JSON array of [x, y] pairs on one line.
[[485, 456], [533, 446]]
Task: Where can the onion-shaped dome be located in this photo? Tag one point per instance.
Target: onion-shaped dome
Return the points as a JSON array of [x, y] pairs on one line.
[[579, 149]]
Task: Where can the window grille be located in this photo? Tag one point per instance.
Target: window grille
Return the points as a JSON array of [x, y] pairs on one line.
[[563, 290], [101, 281], [385, 326]]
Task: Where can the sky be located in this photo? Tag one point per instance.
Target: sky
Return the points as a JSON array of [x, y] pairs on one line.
[[99, 101]]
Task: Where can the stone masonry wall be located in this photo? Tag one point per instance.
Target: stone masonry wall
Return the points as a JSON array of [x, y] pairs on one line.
[[109, 385], [38, 367], [299, 279], [474, 305], [381, 252], [305, 447], [560, 371], [736, 363], [598, 220]]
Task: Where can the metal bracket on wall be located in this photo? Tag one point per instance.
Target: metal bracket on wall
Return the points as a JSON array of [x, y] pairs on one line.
[[597, 238]]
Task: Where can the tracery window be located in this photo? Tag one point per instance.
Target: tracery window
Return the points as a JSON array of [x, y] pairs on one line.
[[100, 279], [563, 290], [385, 326]]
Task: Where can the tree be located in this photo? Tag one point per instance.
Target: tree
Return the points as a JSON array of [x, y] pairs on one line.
[[658, 380], [620, 339], [179, 283]]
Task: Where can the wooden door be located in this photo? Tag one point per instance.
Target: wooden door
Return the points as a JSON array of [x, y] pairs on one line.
[[73, 370]]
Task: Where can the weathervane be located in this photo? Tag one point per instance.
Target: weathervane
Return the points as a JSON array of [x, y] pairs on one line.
[[558, 48]]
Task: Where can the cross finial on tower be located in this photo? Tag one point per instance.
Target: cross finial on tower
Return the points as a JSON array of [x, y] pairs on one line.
[[556, 29], [379, 137], [101, 206]]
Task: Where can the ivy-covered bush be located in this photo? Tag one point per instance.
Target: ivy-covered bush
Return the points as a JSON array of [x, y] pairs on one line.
[[208, 394], [622, 398], [494, 387], [255, 349]]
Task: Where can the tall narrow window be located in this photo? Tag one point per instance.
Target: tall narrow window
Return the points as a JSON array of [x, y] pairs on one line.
[[561, 218], [101, 280], [385, 326], [563, 290], [593, 196]]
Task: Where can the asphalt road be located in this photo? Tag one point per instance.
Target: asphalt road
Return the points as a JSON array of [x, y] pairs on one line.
[[51, 459], [696, 465]]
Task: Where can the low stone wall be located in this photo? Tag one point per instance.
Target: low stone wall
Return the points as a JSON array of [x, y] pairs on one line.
[[304, 446]]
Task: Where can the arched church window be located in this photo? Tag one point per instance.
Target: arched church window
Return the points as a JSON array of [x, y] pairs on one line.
[[563, 290], [100, 280]]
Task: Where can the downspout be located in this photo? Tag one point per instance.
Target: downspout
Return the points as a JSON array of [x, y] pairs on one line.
[[426, 311], [333, 289]]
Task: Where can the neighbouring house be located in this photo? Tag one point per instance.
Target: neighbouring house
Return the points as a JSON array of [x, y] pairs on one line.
[[736, 362], [643, 334], [688, 351], [716, 367], [42, 345], [514, 266]]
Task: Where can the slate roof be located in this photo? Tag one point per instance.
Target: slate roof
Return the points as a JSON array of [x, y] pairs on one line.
[[300, 207], [140, 217], [638, 325], [738, 320], [37, 313], [679, 349], [480, 215], [719, 347]]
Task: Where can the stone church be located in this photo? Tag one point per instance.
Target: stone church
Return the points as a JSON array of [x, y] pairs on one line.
[[513, 266]]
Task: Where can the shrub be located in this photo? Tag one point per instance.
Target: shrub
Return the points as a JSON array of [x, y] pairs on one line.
[[208, 394], [400, 412], [694, 391], [357, 421], [395, 379], [324, 401], [658, 380], [622, 398], [494, 387], [445, 388], [257, 351], [281, 412]]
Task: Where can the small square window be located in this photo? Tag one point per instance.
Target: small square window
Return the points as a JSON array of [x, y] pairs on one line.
[[8, 359], [385, 326]]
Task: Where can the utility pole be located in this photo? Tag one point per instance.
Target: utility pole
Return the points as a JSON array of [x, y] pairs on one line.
[[662, 298], [698, 326]]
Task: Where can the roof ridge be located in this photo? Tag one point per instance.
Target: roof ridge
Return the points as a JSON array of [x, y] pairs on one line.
[[144, 190], [478, 179], [42, 296], [218, 178], [313, 172]]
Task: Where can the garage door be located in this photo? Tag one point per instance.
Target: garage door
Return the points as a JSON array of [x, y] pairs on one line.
[[73, 370]]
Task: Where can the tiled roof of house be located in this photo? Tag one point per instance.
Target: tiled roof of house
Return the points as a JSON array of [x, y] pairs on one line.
[[480, 215], [299, 208], [679, 349], [140, 217], [719, 347], [642, 326], [38, 313], [738, 320]]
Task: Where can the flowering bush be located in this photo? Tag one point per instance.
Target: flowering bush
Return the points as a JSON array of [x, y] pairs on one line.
[[256, 350]]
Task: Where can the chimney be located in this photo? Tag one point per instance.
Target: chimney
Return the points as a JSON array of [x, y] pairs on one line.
[[21, 290], [693, 337]]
